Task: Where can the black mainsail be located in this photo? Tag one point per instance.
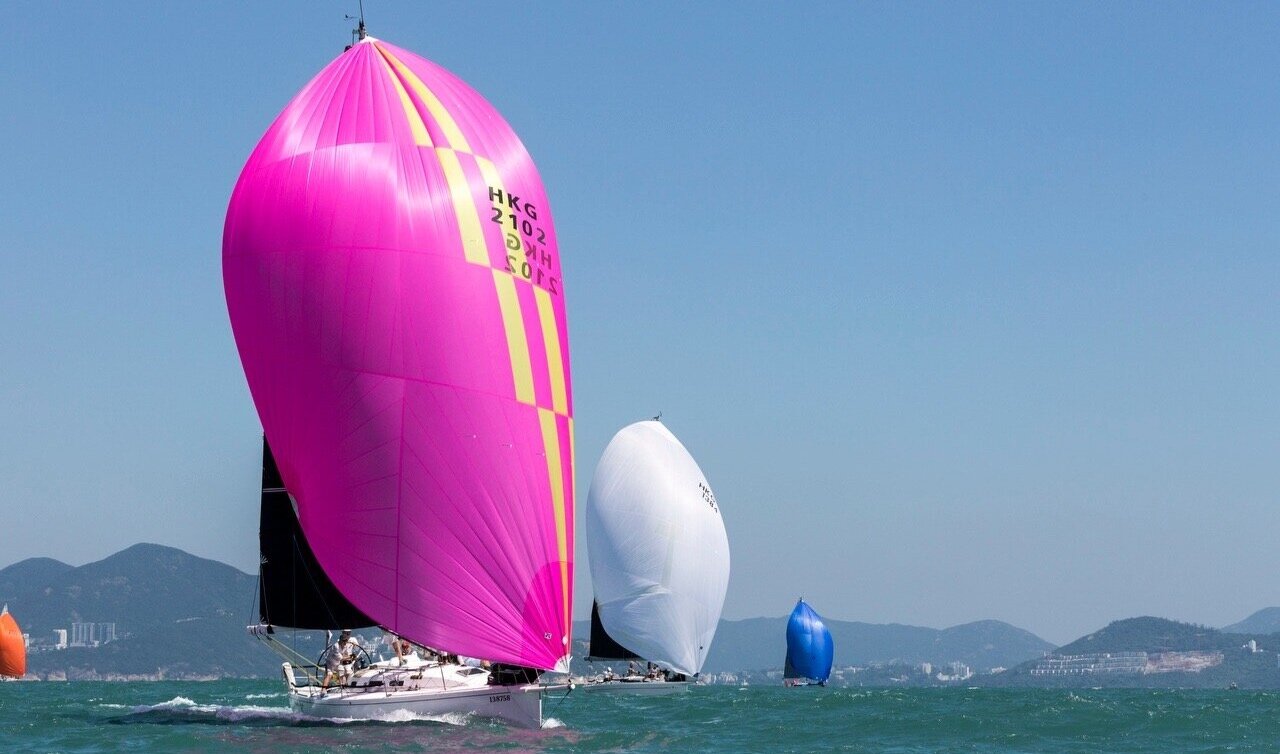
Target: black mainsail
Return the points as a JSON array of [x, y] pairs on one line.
[[603, 646], [293, 591]]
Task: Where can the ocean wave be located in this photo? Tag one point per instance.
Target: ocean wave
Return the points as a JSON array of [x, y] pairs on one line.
[[552, 722], [276, 695], [177, 701], [181, 710], [405, 716]]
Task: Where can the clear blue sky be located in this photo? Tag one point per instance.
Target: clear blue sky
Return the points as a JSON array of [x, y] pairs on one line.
[[966, 310]]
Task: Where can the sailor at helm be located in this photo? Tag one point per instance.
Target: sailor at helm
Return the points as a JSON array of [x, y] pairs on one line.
[[339, 658]]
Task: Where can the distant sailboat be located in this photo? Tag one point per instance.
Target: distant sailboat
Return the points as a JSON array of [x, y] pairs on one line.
[[659, 558], [13, 650], [393, 281], [809, 648]]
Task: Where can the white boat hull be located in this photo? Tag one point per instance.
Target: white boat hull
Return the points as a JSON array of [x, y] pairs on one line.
[[382, 693], [519, 705], [652, 688]]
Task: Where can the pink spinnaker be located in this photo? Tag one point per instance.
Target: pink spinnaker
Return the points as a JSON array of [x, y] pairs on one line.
[[393, 279]]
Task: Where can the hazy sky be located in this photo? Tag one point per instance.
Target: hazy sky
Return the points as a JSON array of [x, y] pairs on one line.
[[966, 310]]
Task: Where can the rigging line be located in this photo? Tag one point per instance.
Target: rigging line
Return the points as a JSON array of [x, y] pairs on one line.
[[257, 588], [572, 686]]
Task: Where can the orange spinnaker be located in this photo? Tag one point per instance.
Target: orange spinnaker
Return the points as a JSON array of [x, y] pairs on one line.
[[13, 654]]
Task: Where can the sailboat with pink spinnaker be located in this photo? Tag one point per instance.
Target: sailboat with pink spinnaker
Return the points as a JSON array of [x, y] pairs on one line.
[[394, 285]]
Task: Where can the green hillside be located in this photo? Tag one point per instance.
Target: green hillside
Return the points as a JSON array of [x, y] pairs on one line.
[[176, 615], [1148, 634], [1265, 621], [1238, 665]]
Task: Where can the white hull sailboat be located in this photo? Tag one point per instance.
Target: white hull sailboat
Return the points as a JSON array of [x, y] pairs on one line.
[[412, 378], [659, 560], [810, 648], [429, 690], [407, 687], [635, 685]]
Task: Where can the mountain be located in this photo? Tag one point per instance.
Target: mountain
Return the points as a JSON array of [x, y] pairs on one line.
[[180, 616], [175, 615], [1149, 652], [759, 644], [31, 570], [1148, 634], [1265, 621]]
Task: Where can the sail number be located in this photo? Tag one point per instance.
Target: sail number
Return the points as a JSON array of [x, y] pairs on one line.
[[709, 496], [495, 698], [527, 254]]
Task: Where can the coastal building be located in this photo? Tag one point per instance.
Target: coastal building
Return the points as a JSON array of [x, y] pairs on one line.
[[59, 638], [81, 634], [92, 634], [1127, 662]]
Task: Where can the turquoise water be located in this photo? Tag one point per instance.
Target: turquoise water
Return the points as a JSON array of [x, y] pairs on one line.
[[251, 716]]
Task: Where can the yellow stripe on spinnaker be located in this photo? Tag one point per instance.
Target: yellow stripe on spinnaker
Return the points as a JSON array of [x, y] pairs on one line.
[[551, 339], [464, 207], [416, 125], [439, 114], [546, 313], [551, 442], [490, 172], [517, 341]]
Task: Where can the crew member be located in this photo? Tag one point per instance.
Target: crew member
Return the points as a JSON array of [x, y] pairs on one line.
[[339, 658]]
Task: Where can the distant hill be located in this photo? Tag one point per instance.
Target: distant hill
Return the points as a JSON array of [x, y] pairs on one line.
[[176, 615], [760, 644], [1158, 637], [180, 616], [32, 570], [1265, 621], [1148, 634]]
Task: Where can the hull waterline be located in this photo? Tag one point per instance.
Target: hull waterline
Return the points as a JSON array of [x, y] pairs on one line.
[[389, 693], [517, 705]]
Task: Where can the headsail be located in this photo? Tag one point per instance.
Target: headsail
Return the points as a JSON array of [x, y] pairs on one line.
[[13, 651], [394, 285], [657, 547], [810, 649]]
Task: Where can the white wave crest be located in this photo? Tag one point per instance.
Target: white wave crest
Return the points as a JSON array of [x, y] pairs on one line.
[[186, 708], [405, 716], [276, 695], [177, 701], [552, 722]]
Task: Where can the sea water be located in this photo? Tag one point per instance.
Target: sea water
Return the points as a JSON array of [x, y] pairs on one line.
[[253, 716]]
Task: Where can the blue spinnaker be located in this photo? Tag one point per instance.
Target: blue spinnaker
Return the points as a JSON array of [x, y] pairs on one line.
[[809, 646]]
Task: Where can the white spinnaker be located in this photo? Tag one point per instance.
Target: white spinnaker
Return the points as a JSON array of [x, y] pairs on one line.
[[657, 548]]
